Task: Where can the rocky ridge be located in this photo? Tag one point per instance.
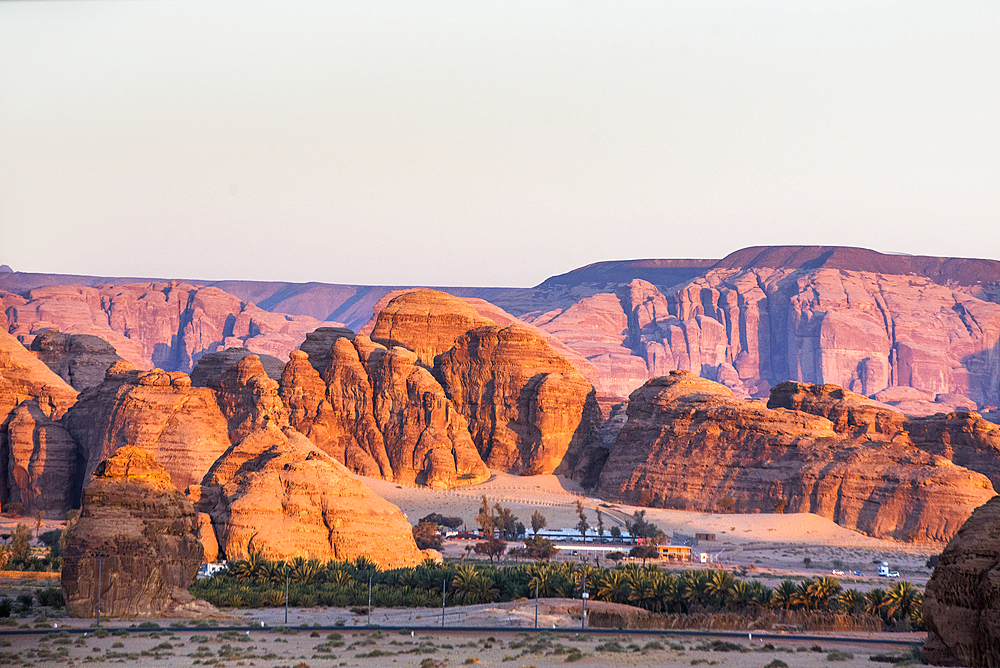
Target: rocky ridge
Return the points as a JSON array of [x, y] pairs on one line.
[[690, 444]]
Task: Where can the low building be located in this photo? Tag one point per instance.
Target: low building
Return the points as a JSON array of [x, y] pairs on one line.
[[674, 552]]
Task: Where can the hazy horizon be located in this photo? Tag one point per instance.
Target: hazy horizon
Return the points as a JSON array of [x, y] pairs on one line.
[[488, 145]]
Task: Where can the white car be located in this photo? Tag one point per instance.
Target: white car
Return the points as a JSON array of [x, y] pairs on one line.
[[893, 574]]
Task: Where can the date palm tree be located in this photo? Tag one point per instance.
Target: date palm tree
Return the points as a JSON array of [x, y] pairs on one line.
[[899, 600], [614, 587], [784, 595], [851, 601], [719, 587]]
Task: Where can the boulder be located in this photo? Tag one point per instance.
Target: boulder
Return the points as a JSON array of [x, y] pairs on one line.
[[212, 367], [133, 514], [79, 359], [690, 444], [275, 493], [528, 409], [961, 605], [160, 412]]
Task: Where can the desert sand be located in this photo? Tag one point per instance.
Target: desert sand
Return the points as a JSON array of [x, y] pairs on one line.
[[765, 544]]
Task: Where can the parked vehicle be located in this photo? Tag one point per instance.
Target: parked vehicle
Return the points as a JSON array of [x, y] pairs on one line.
[[893, 574]]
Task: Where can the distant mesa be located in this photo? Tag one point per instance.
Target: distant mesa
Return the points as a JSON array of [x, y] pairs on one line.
[[5, 269]]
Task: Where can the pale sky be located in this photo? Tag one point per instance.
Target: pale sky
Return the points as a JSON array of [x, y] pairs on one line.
[[469, 143]]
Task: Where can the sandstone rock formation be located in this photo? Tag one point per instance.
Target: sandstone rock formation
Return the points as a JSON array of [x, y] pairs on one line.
[[212, 367], [79, 359], [960, 605], [961, 437], [335, 410], [528, 408], [249, 398], [133, 514], [425, 321], [277, 494], [41, 463], [690, 444], [157, 411], [318, 343], [427, 440], [24, 377], [162, 324]]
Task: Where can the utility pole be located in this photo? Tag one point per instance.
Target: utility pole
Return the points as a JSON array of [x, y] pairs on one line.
[[536, 604], [287, 578], [444, 584], [369, 600], [100, 585], [583, 599]]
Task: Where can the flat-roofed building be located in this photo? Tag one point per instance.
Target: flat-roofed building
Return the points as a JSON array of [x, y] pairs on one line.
[[674, 552]]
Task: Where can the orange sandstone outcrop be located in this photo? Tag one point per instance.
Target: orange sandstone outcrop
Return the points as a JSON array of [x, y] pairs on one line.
[[427, 440], [23, 377], [425, 321], [249, 398], [277, 494], [962, 437], [212, 367], [335, 410], [527, 407], [132, 514], [960, 605], [157, 411], [690, 444]]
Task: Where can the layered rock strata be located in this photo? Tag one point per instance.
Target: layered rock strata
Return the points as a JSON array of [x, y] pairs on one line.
[[249, 398], [79, 359], [336, 410], [275, 493], [528, 409], [160, 412], [212, 367], [690, 444], [425, 321], [41, 463], [427, 440], [134, 541], [156, 324], [960, 605]]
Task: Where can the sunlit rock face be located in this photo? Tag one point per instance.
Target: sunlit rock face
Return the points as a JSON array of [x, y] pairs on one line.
[[158, 411], [527, 407], [79, 359], [146, 529], [690, 444], [277, 494]]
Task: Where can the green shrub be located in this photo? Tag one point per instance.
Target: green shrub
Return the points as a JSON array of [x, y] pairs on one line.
[[51, 597]]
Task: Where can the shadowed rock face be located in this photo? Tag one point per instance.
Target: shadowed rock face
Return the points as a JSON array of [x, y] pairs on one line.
[[690, 444], [211, 368], [41, 470], [133, 514], [277, 494], [158, 411], [527, 407], [79, 359], [960, 606]]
